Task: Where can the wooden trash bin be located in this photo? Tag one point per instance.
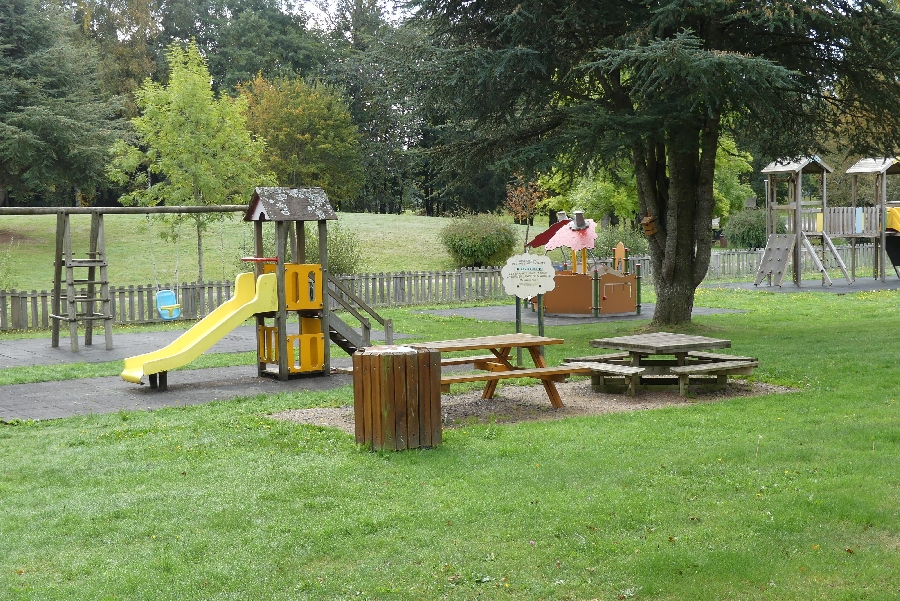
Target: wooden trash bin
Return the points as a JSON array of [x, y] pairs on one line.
[[397, 397]]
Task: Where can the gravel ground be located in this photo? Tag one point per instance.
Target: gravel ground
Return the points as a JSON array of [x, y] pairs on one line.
[[513, 404]]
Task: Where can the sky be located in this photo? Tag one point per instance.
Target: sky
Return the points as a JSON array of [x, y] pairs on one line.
[[314, 9]]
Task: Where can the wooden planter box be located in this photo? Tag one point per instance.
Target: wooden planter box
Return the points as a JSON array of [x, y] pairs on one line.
[[397, 397]]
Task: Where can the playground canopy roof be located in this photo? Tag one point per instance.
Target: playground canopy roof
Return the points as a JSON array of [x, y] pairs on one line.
[[289, 204], [876, 165], [572, 238], [813, 164]]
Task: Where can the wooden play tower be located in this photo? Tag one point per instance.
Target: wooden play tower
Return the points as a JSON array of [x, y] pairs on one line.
[[805, 220], [304, 289], [300, 285]]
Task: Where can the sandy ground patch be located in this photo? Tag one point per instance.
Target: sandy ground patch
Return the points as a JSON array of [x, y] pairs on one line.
[[513, 404]]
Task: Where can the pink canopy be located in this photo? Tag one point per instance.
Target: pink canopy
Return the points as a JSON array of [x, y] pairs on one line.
[[547, 235], [574, 239]]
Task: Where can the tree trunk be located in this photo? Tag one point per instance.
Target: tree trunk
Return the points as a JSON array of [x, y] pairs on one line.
[[675, 185], [2, 196], [674, 298]]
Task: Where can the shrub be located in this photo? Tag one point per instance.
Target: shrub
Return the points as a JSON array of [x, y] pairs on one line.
[[344, 250], [479, 240], [634, 240], [747, 229]]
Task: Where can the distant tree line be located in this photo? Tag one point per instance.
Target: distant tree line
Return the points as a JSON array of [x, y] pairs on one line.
[[74, 74]]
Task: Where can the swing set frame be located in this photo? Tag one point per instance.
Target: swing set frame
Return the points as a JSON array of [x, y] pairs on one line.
[[97, 250]]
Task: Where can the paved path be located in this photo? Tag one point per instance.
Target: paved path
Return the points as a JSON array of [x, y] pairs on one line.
[[37, 351], [51, 400]]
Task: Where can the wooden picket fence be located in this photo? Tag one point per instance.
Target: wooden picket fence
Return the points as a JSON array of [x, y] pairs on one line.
[[425, 287], [739, 264], [22, 310]]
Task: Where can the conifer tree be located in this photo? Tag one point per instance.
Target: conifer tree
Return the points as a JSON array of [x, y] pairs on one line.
[[577, 84]]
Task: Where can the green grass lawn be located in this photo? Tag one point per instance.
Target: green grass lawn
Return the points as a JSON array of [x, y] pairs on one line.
[[389, 242], [785, 496]]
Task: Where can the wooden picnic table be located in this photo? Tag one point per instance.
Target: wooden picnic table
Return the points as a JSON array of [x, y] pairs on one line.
[[497, 365], [639, 346], [645, 358]]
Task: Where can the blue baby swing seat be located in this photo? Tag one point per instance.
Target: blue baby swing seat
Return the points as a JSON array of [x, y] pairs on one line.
[[167, 305]]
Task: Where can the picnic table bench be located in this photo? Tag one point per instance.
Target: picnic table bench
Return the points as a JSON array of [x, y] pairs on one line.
[[720, 369], [600, 371]]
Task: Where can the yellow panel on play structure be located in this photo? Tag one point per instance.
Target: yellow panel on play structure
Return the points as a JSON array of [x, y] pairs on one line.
[[302, 285], [306, 352], [310, 355], [893, 219]]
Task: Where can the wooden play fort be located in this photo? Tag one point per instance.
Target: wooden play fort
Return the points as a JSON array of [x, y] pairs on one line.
[[810, 219], [302, 287]]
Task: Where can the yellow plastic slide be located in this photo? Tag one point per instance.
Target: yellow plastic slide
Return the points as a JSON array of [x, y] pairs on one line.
[[250, 297]]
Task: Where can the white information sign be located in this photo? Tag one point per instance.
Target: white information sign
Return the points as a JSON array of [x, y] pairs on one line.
[[528, 275]]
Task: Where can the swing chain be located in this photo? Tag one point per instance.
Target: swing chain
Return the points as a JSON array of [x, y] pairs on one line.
[[222, 243], [152, 253], [177, 246]]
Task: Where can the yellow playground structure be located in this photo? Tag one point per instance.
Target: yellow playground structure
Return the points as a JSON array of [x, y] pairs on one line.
[[277, 294]]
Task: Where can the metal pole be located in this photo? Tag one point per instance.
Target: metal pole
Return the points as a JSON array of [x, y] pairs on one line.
[[540, 316], [518, 329], [637, 272]]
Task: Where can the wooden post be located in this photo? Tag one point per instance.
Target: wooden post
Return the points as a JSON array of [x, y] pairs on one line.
[[257, 271], [853, 183], [798, 227], [57, 278], [71, 305], [326, 300], [96, 224], [770, 200], [397, 398], [281, 240], [882, 192], [824, 210]]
